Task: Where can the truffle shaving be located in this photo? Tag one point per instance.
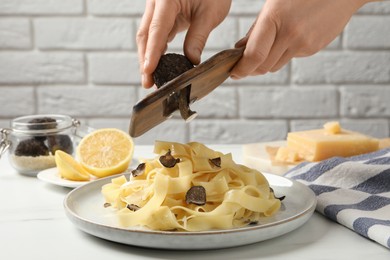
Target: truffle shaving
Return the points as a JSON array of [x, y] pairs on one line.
[[216, 162], [133, 207], [139, 170], [279, 198], [196, 195], [168, 160]]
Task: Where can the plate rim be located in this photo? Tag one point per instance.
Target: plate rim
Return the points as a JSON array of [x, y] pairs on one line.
[[71, 214]]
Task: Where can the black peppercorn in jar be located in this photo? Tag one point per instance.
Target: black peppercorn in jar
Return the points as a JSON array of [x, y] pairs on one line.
[[33, 140]]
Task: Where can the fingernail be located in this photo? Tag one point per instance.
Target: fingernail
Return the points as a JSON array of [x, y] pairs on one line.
[[234, 77], [196, 54]]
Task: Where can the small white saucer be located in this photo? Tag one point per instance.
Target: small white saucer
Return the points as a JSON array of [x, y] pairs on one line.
[[52, 176]]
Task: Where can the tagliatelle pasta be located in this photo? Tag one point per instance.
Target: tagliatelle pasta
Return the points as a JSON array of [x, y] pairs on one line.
[[159, 197]]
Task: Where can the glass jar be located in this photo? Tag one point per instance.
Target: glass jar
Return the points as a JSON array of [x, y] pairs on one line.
[[32, 141]]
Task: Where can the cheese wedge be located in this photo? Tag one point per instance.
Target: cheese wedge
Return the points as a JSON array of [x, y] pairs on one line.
[[287, 155], [321, 144], [332, 127]]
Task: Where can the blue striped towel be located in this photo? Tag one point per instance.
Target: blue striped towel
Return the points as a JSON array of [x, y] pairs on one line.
[[354, 191]]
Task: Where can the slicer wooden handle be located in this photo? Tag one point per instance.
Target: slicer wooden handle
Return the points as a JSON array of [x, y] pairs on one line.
[[203, 79]]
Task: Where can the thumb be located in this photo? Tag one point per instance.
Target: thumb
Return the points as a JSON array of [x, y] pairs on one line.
[[195, 40]]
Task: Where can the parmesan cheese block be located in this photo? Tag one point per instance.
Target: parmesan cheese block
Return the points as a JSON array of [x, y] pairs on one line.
[[321, 144]]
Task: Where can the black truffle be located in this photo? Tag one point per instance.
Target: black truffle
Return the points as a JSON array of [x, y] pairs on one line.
[[196, 195], [216, 162], [31, 147], [132, 207], [60, 142], [42, 123], [168, 160], [139, 170], [169, 67]]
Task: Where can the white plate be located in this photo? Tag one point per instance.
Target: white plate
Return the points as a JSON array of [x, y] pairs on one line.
[[52, 176], [84, 207]]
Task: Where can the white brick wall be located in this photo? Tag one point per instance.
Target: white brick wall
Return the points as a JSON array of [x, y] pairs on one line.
[[41, 67], [15, 33], [236, 131], [84, 33], [83, 101], [117, 7], [114, 68], [364, 32], [367, 101], [79, 57], [342, 67], [16, 101], [288, 102], [41, 7]]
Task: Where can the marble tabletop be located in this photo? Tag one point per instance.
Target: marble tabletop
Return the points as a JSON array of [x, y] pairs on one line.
[[33, 225]]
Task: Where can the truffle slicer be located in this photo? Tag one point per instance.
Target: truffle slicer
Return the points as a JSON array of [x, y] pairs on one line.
[[200, 81]]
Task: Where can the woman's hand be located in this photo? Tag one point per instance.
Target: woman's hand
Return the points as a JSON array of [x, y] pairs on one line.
[[285, 29], [163, 19]]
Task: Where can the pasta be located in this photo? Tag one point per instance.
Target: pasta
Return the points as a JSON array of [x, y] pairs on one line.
[[158, 197]]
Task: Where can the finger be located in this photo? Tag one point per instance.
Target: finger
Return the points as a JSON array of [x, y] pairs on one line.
[[286, 58], [181, 24], [278, 49], [195, 39], [172, 33], [242, 42], [143, 31], [147, 78], [257, 48], [142, 38], [160, 26]]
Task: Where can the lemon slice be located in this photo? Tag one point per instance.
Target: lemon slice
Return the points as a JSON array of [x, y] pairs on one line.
[[69, 168], [105, 152]]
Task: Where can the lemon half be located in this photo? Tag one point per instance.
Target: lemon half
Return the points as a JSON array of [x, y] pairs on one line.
[[105, 152]]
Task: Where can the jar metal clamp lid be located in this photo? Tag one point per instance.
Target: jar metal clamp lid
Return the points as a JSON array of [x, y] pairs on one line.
[[4, 142]]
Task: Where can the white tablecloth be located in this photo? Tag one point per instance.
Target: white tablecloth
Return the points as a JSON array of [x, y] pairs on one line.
[[33, 225]]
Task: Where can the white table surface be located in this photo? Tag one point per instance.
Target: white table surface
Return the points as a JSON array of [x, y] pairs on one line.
[[33, 225]]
